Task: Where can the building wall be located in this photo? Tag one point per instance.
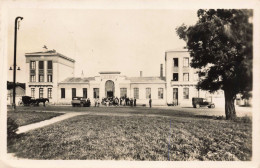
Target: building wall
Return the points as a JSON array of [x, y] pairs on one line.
[[68, 91], [217, 98], [19, 92], [154, 93], [61, 69], [180, 84], [119, 82]]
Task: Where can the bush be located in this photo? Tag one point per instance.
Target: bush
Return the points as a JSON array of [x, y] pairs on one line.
[[12, 127]]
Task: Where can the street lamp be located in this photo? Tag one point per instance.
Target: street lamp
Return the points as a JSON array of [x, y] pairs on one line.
[[15, 45]]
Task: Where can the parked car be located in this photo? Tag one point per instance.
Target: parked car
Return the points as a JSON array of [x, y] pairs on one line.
[[201, 102], [80, 101]]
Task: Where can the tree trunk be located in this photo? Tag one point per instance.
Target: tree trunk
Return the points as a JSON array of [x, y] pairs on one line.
[[230, 110]]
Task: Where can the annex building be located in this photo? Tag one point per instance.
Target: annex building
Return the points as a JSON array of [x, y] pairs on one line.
[[51, 75]]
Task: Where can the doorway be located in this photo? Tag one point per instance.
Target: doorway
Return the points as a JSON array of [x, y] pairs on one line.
[[109, 88], [175, 96], [110, 94]]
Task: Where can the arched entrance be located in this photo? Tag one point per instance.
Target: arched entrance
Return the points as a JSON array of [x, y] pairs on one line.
[[109, 88]]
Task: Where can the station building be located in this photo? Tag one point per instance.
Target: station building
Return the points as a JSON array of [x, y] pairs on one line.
[[51, 75]]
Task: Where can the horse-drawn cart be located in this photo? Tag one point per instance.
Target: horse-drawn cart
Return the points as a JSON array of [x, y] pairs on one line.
[[29, 101]]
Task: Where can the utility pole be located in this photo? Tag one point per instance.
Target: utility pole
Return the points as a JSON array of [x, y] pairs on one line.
[[15, 45]]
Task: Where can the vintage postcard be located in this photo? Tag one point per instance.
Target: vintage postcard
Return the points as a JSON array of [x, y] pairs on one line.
[[129, 83]]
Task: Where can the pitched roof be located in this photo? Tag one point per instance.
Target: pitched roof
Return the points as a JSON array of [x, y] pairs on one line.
[[77, 80], [146, 79], [10, 85], [49, 52]]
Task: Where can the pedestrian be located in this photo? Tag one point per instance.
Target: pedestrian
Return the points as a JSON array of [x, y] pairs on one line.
[[107, 102], [134, 101], [150, 103], [98, 101], [123, 102], [88, 102], [116, 101], [131, 102], [127, 101]]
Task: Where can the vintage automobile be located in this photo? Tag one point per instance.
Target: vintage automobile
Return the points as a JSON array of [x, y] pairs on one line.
[[80, 101], [201, 102], [29, 101]]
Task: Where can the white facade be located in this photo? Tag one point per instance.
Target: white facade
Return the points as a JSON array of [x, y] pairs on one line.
[[176, 88], [140, 85], [181, 90], [61, 67]]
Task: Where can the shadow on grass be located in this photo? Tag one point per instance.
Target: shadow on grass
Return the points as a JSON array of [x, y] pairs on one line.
[[13, 140]]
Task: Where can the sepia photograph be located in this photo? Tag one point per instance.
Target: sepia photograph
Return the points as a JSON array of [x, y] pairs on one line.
[[135, 85]]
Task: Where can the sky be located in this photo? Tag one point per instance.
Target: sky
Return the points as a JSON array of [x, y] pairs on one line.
[[125, 40]]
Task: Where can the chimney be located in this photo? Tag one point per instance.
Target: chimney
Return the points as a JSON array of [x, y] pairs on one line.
[[161, 71], [141, 73], [82, 74]]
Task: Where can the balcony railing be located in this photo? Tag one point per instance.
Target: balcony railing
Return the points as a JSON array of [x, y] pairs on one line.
[[41, 71], [49, 71], [32, 71]]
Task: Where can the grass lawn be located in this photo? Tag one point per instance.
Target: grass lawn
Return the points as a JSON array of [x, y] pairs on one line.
[[25, 118], [138, 136]]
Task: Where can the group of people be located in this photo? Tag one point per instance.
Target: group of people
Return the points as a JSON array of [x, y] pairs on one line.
[[123, 101]]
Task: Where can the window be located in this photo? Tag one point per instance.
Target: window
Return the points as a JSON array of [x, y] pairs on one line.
[[32, 65], [148, 93], [49, 78], [175, 62], [41, 78], [62, 93], [175, 93], [196, 77], [74, 92], [186, 77], [41, 93], [96, 92], [49, 93], [185, 93], [41, 71], [33, 92], [160, 93], [185, 62], [136, 93], [85, 93], [49, 64], [41, 65], [32, 71], [32, 78], [175, 77], [123, 92]]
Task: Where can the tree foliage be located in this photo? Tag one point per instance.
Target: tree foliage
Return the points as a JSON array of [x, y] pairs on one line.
[[221, 44]]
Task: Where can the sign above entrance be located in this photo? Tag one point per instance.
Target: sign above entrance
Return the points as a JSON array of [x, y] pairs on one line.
[[109, 74], [109, 77]]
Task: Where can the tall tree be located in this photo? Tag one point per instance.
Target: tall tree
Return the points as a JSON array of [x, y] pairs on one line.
[[220, 43]]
